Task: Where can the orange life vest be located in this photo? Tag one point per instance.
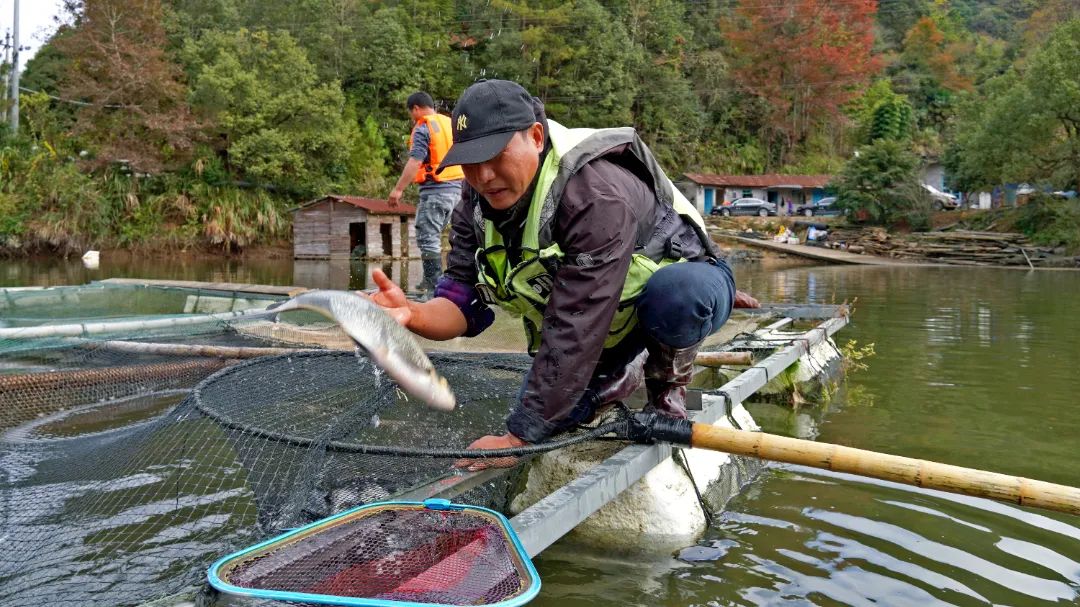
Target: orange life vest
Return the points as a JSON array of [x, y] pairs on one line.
[[440, 138]]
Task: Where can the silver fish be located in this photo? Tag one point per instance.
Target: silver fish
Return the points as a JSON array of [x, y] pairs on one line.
[[390, 346], [355, 492]]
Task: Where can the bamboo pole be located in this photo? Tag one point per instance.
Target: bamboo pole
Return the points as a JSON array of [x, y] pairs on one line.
[[134, 347], [719, 359], [921, 473], [92, 328]]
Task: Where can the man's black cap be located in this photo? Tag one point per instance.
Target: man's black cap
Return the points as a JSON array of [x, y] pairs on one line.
[[486, 116]]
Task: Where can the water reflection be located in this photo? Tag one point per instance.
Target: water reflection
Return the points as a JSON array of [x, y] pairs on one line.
[[277, 269], [354, 274], [973, 367]]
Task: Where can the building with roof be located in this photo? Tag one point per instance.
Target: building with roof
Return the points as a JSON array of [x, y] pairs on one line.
[[707, 191], [344, 227]]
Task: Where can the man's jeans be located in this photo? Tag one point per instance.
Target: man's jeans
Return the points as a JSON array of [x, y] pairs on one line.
[[432, 216], [683, 303]]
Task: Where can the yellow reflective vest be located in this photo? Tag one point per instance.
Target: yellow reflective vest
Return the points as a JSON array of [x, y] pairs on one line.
[[524, 289]]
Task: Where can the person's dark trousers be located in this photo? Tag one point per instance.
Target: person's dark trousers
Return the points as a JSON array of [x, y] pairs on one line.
[[682, 304], [618, 373], [432, 265]]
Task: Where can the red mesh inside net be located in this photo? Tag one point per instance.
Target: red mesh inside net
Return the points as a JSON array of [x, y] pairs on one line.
[[448, 557]]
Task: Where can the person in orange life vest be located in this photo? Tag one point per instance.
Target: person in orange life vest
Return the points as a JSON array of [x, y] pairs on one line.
[[439, 192]]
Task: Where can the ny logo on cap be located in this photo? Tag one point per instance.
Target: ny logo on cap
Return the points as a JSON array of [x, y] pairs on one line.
[[462, 122]]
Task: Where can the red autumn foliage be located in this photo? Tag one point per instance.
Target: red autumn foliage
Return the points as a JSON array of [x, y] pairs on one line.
[[804, 58], [134, 98], [925, 47]]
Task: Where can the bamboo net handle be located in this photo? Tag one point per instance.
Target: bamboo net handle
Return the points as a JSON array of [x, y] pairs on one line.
[[921, 473], [718, 359]]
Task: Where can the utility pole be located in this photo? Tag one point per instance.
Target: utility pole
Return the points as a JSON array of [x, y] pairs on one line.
[[14, 94], [7, 74]]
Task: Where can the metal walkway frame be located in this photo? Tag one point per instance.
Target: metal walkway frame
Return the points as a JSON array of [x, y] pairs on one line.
[[543, 523]]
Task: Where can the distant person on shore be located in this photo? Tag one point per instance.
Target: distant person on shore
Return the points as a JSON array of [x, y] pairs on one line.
[[440, 192]]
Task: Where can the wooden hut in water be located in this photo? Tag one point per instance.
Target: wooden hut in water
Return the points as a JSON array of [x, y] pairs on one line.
[[343, 227]]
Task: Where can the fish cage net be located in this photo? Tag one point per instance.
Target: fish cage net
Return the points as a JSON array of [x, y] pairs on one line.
[[391, 552], [33, 306], [131, 459]]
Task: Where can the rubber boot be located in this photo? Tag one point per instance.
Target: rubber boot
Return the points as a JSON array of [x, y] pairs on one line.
[[432, 263], [618, 386], [668, 371]]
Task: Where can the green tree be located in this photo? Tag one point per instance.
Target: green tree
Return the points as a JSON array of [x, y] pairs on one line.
[[383, 69], [881, 114], [892, 119], [928, 71], [668, 112], [1028, 129], [190, 19], [880, 185], [368, 157], [132, 93], [273, 121], [576, 57]]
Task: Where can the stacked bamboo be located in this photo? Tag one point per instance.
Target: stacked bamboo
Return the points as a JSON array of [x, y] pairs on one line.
[[960, 247]]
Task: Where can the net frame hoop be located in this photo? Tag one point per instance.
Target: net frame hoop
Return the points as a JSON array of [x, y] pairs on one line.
[[366, 449], [219, 584], [18, 435]]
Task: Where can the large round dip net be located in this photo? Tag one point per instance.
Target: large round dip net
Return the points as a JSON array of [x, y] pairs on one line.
[[135, 453]]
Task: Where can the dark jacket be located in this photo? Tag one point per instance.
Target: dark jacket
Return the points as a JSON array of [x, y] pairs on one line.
[[607, 212]]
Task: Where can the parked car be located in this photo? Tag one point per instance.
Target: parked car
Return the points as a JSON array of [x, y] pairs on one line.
[[942, 200], [821, 208], [746, 206]]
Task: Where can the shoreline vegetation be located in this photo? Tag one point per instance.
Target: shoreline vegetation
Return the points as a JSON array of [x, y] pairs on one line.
[[1044, 232], [195, 126]]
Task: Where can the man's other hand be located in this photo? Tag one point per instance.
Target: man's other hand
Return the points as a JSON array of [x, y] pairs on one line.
[[744, 300], [506, 441], [395, 198], [391, 298]]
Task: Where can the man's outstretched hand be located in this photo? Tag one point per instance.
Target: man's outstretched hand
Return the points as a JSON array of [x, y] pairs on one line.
[[391, 298], [745, 300], [505, 441]]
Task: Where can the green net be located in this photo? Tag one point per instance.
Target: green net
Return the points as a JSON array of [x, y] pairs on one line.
[[137, 450]]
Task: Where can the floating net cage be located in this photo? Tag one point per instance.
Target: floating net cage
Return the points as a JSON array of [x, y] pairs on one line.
[[34, 306], [431, 553], [134, 454]]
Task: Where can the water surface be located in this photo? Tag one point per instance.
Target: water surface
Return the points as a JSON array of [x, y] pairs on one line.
[[974, 367]]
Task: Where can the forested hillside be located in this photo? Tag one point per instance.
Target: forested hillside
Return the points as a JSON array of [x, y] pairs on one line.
[[176, 123]]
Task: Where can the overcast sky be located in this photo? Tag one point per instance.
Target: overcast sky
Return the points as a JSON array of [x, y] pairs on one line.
[[36, 23]]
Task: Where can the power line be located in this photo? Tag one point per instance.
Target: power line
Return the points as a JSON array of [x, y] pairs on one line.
[[73, 101], [13, 81]]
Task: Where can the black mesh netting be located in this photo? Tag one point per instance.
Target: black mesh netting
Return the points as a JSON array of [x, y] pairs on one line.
[[398, 553], [120, 484]]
